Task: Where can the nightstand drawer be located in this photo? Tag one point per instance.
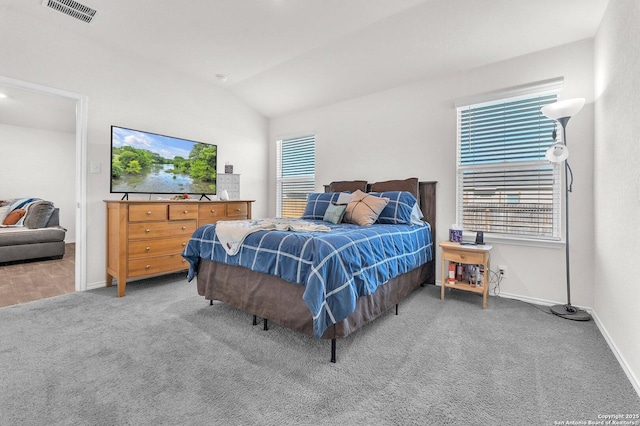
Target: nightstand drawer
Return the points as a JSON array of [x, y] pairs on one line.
[[464, 257]]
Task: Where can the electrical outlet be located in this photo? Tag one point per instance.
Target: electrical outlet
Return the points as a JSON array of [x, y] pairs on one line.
[[502, 270]]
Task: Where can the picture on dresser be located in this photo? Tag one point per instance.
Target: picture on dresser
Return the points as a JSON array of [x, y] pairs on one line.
[[150, 163]]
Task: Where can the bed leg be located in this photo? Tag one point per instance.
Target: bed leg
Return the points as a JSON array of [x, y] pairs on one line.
[[255, 320], [211, 302], [333, 351], [396, 309], [266, 325]]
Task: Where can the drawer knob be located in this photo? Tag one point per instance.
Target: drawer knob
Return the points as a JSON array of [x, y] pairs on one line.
[[186, 212], [213, 211], [148, 248], [148, 266], [237, 210], [462, 256], [147, 230], [149, 213], [184, 227], [184, 244]]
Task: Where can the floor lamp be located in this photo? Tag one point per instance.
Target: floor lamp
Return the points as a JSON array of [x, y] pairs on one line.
[[561, 112]]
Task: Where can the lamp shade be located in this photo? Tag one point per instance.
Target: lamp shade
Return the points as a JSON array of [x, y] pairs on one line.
[[563, 109], [557, 153]]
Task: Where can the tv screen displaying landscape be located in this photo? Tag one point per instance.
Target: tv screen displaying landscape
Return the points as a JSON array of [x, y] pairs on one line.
[[143, 162]]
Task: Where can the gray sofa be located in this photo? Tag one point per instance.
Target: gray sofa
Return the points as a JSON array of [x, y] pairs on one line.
[[23, 243]]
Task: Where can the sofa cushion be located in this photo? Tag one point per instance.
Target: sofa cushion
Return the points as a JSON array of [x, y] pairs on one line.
[[13, 217], [22, 236], [38, 214]]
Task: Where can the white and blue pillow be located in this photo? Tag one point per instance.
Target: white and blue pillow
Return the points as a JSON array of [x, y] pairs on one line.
[[317, 203], [399, 209]]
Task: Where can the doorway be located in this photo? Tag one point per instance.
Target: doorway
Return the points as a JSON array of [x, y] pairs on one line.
[[79, 199]]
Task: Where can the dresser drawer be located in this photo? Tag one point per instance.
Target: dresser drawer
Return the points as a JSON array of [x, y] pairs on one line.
[[157, 247], [157, 265], [147, 212], [211, 213], [237, 210], [183, 212], [463, 257], [144, 230]]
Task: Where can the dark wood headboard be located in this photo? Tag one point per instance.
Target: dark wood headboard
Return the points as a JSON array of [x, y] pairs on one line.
[[427, 202]]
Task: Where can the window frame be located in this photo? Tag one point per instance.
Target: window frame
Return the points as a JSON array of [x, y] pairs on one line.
[[547, 87], [305, 181]]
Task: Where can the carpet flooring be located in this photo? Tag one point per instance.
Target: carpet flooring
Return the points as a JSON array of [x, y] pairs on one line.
[[163, 356]]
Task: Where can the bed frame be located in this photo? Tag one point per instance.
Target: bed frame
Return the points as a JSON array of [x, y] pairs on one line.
[[274, 299]]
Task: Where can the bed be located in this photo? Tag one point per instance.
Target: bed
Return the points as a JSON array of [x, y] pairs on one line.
[[298, 287]]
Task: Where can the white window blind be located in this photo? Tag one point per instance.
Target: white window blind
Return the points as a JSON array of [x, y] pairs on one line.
[[505, 185], [296, 168]]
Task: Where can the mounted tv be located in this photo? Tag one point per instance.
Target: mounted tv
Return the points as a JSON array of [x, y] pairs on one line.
[[149, 163]]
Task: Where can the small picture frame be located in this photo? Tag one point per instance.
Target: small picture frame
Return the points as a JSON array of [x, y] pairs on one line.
[[228, 168]]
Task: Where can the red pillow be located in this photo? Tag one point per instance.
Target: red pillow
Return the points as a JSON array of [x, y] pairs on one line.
[[13, 217]]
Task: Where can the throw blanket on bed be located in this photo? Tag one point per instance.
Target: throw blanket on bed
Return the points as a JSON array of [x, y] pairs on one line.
[[232, 233], [335, 267]]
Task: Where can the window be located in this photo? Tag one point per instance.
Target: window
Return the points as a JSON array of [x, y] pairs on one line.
[[296, 175], [505, 186]]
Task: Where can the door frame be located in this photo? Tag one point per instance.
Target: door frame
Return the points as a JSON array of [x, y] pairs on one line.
[[81, 162]]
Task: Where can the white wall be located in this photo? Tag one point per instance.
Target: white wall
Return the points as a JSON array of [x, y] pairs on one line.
[[41, 164], [411, 131], [617, 183], [132, 92]]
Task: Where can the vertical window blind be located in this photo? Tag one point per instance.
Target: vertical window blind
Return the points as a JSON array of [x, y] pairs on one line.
[[296, 168], [504, 183]]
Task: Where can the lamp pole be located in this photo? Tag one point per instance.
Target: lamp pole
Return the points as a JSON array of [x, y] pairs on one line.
[[567, 311]]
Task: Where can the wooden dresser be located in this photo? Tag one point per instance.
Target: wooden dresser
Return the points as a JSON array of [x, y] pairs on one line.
[[147, 238]]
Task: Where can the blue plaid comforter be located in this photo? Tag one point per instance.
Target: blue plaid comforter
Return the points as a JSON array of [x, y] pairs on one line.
[[335, 267]]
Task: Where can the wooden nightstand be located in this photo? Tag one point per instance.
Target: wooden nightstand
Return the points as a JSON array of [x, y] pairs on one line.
[[468, 255]]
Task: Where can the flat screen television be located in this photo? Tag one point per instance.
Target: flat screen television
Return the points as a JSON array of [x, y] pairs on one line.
[[149, 163]]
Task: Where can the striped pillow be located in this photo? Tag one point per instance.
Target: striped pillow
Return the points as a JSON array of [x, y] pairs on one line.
[[398, 209], [317, 203]]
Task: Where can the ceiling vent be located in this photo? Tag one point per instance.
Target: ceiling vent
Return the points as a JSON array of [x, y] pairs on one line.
[[72, 8]]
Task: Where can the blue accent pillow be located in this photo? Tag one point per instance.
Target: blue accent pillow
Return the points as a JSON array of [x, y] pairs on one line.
[[317, 203], [398, 210], [334, 213]]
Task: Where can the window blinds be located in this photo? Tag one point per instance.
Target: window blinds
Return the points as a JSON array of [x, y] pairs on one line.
[[296, 166], [505, 185]]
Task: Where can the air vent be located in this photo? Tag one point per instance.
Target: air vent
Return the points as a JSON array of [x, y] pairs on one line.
[[72, 8]]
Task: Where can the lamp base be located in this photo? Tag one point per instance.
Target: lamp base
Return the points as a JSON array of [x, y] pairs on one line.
[[569, 312]]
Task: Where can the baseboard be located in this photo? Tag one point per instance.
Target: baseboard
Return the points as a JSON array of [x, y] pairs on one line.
[[94, 286], [623, 363], [536, 301]]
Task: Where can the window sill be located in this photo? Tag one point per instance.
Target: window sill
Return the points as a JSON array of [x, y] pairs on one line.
[[516, 241]]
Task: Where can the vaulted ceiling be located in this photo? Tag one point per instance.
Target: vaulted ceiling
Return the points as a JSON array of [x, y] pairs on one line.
[[282, 56]]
